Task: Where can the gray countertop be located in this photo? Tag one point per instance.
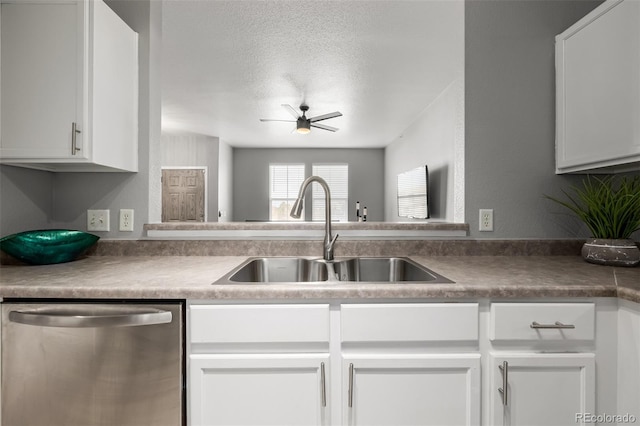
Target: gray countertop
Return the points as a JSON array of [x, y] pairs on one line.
[[191, 277]]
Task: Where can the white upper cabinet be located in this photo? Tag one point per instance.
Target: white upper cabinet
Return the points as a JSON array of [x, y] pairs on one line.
[[69, 87], [598, 90]]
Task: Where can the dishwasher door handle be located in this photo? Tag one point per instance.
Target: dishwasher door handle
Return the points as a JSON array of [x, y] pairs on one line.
[[70, 319]]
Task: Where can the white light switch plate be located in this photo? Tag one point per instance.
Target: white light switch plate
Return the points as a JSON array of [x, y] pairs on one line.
[[97, 220]]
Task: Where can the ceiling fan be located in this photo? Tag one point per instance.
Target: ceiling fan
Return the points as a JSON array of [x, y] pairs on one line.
[[304, 123]]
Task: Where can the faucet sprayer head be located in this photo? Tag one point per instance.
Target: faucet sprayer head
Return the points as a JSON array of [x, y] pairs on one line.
[[296, 210]]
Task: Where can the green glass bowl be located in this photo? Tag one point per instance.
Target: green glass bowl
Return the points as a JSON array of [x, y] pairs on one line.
[[47, 246]]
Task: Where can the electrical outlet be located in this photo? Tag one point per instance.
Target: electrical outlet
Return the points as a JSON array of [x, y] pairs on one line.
[[97, 220], [486, 220], [126, 219]]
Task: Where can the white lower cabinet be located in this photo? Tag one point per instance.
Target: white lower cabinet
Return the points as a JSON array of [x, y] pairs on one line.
[[272, 364], [258, 364], [628, 356], [407, 364], [551, 378], [409, 390], [404, 364], [278, 389], [540, 389]]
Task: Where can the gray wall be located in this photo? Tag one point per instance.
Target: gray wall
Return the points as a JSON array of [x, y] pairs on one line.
[[251, 178], [509, 132], [25, 199], [510, 115], [435, 139], [74, 193]]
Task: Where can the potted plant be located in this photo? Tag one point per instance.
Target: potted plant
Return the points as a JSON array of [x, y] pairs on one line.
[[611, 210]]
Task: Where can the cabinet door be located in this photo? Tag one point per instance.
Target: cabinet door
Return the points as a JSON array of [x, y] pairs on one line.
[[541, 389], [258, 390], [42, 79], [411, 390], [598, 89], [629, 358], [114, 95]]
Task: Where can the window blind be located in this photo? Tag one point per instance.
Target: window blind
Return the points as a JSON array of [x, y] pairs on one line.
[[284, 183], [337, 177], [412, 193]]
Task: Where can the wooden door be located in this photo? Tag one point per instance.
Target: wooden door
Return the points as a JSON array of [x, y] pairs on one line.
[[183, 195]]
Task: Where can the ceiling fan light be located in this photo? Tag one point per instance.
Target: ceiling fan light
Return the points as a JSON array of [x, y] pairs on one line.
[[303, 126]]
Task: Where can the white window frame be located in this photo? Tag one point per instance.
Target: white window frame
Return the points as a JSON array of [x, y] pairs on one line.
[[339, 194], [290, 193]]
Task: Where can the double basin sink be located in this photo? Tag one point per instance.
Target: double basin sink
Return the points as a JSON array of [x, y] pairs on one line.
[[359, 269]]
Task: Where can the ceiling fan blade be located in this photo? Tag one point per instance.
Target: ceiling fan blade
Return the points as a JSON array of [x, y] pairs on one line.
[[325, 127], [274, 119], [326, 116], [291, 110]]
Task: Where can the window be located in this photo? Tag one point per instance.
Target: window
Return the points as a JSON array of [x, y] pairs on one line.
[[413, 193], [337, 177], [284, 183]]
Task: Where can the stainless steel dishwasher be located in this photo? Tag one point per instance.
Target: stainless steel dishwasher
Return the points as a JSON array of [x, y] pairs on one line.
[[80, 364]]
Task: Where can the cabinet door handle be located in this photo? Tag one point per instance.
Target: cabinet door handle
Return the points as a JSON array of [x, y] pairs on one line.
[[557, 324], [323, 390], [504, 368], [74, 132], [350, 385]]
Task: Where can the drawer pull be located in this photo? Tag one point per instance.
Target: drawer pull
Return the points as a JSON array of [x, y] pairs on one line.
[[323, 394], [350, 385], [504, 368], [556, 325]]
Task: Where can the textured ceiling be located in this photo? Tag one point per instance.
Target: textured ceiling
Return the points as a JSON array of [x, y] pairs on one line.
[[226, 64]]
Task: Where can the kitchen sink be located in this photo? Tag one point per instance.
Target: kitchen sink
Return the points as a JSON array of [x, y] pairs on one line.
[[358, 269], [385, 269], [279, 270]]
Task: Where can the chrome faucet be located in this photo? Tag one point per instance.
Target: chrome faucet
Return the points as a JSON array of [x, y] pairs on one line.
[[296, 211]]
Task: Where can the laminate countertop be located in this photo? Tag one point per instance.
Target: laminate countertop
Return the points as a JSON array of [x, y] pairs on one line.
[[192, 277]]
